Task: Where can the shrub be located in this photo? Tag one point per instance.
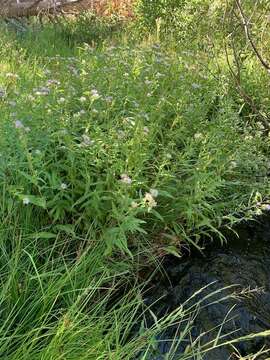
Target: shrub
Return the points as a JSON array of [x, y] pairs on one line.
[[91, 28]]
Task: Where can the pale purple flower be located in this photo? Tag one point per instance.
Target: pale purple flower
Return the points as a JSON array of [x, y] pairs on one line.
[[126, 179], [82, 99], [86, 141], [94, 94], [146, 130], [2, 92], [18, 124], [154, 192], [53, 82], [195, 86]]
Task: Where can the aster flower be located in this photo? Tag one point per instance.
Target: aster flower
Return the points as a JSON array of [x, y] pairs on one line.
[[126, 179], [86, 141], [149, 200], [26, 201], [18, 124], [83, 99], [154, 192], [53, 82], [198, 136], [61, 100], [2, 93], [63, 186]]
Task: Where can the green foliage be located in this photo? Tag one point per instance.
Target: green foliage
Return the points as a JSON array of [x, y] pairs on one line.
[[86, 147], [102, 150], [182, 19], [90, 28]]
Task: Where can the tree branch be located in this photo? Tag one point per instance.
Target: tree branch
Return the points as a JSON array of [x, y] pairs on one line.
[[249, 38]]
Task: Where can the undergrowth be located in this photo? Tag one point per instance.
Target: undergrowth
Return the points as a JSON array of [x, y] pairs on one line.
[[108, 149]]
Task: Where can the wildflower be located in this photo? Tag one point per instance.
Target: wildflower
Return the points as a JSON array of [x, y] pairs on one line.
[[53, 82], [168, 156], [134, 205], [74, 71], [126, 179], [11, 75], [82, 99], [18, 124], [31, 97], [154, 192], [108, 99], [148, 82], [2, 92], [146, 130], [198, 136], [94, 94], [121, 134], [26, 201], [42, 91], [79, 113], [233, 164], [61, 100], [27, 129], [37, 152], [63, 186], [86, 141], [129, 120], [266, 207], [149, 200], [195, 86]]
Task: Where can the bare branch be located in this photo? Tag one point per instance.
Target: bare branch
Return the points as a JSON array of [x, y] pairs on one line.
[[248, 35]]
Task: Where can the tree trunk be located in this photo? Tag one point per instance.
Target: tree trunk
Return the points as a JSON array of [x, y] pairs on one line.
[[20, 8]]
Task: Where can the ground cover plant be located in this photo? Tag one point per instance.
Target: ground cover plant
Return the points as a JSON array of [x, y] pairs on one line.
[[112, 151]]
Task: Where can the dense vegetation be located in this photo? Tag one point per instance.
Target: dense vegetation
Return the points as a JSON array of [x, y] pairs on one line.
[[120, 143]]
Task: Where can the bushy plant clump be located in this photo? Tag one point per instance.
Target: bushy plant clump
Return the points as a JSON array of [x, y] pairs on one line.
[[181, 19], [91, 28], [125, 141], [102, 151]]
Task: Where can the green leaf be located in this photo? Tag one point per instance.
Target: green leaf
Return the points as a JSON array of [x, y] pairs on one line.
[[172, 250], [43, 235], [68, 229]]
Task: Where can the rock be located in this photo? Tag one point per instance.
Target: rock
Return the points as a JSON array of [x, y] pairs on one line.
[[245, 262]]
